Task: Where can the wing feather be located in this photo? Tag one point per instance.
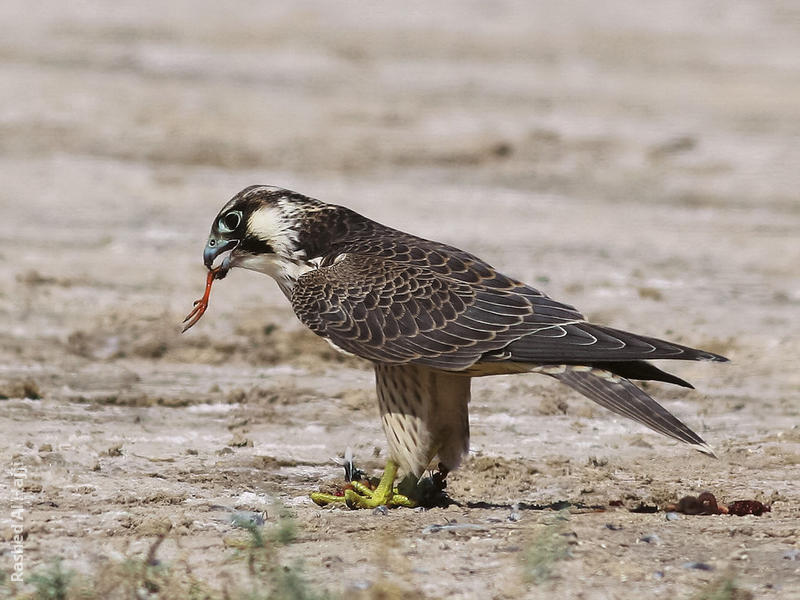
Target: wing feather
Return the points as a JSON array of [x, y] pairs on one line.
[[433, 314], [619, 395]]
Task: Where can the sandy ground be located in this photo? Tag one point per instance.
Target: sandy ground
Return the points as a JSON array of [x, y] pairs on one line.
[[638, 160]]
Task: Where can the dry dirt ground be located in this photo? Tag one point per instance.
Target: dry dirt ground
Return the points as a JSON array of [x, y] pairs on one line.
[[639, 160]]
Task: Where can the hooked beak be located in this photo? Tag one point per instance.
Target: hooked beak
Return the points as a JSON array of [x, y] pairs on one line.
[[215, 248]]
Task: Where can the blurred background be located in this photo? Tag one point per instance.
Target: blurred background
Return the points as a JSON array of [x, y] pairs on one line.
[[636, 159], [505, 127]]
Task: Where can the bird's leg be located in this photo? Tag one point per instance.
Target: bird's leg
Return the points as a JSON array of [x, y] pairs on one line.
[[428, 491], [439, 476], [385, 494], [361, 496]]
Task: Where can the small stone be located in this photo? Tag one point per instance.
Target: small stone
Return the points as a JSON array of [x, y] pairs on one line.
[[247, 518], [26, 388], [651, 538], [672, 516], [700, 566], [381, 510], [153, 525], [793, 554], [46, 448], [240, 441], [115, 450]]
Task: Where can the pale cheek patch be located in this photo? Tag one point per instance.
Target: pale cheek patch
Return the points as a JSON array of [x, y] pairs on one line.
[[269, 224]]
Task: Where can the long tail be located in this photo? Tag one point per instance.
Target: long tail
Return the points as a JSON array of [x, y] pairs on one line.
[[622, 397]]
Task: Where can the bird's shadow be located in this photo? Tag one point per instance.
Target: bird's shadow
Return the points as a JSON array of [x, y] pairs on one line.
[[520, 506], [444, 501]]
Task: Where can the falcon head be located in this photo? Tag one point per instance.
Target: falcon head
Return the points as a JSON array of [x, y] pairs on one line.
[[262, 228]]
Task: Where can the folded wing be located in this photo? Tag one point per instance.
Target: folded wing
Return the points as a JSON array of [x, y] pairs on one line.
[[396, 312]]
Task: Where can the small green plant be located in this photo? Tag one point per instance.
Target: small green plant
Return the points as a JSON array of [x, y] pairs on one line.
[[286, 530], [52, 582], [548, 547], [723, 588], [269, 578], [289, 583]]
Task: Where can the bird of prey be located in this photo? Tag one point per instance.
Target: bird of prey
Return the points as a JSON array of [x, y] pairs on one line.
[[429, 317]]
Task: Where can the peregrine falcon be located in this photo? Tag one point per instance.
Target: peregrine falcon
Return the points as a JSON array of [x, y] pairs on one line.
[[429, 317]]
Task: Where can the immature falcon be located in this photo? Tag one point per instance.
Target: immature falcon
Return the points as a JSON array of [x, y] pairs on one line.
[[430, 317]]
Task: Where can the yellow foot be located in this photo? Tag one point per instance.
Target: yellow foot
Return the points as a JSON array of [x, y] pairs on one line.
[[361, 496]]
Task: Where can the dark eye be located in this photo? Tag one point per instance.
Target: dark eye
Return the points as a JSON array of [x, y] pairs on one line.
[[230, 221]]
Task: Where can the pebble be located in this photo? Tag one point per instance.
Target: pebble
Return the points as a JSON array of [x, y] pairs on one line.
[[793, 554], [381, 510], [700, 566], [651, 538], [450, 527], [243, 518], [672, 516]]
